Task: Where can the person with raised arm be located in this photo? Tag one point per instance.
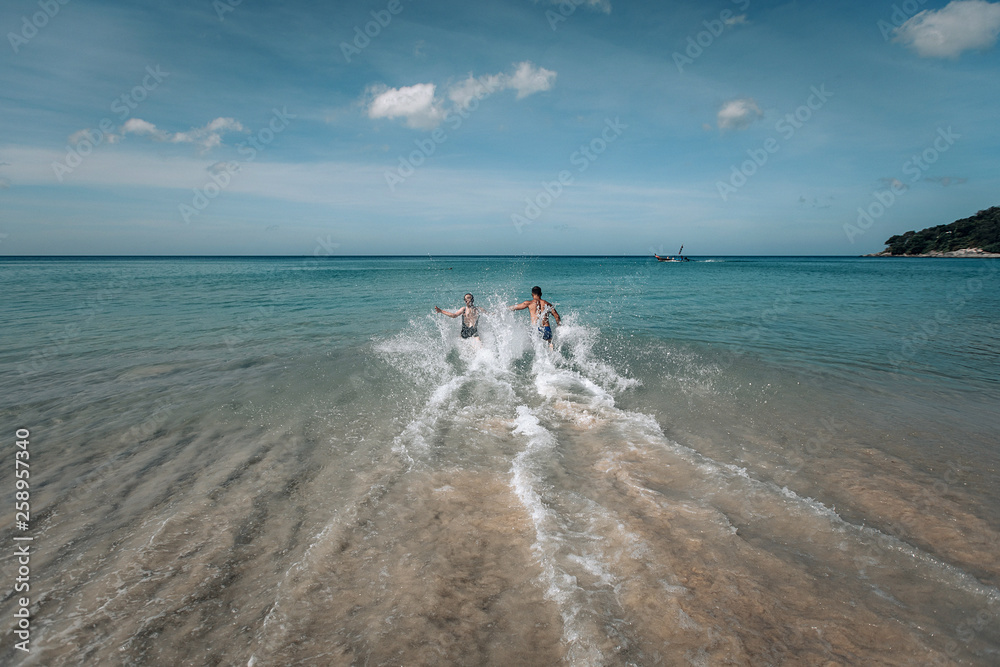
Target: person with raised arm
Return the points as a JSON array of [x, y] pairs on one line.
[[470, 317], [540, 309]]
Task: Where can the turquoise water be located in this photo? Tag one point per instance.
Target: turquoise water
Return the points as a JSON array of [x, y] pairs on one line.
[[269, 460]]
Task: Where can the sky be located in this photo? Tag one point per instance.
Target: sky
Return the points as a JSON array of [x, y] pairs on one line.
[[412, 127]]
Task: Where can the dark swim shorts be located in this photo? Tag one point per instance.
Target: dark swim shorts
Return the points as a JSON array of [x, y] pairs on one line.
[[546, 332], [469, 332]]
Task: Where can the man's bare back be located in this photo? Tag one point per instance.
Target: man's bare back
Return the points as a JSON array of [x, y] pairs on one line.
[[540, 309]]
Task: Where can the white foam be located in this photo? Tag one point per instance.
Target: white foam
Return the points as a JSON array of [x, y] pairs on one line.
[[578, 341], [412, 442], [426, 352], [560, 586]]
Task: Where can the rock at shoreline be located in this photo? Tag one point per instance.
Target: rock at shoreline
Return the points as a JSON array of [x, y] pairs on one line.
[[964, 252]]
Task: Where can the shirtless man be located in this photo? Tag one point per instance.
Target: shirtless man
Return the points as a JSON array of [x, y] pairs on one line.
[[470, 317], [539, 309]]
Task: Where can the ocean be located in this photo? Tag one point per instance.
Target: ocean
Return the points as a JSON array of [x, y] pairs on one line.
[[295, 461]]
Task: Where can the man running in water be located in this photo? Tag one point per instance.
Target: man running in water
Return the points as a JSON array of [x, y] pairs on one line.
[[470, 317], [539, 309]]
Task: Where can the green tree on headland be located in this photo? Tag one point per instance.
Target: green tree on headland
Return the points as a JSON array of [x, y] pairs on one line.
[[980, 231]]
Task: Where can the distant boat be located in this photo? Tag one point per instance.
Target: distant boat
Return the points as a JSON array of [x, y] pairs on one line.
[[678, 258]]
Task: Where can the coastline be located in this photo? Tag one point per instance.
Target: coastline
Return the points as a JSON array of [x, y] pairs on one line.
[[964, 252]]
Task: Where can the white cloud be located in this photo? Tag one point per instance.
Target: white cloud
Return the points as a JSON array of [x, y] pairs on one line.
[[414, 103], [962, 25], [463, 92], [738, 114], [458, 193], [529, 79], [205, 138], [210, 136], [141, 127], [422, 109]]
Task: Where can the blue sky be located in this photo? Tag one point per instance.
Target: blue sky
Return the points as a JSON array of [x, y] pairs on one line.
[[507, 127]]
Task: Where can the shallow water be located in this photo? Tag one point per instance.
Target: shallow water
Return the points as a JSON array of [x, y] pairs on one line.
[[281, 461]]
